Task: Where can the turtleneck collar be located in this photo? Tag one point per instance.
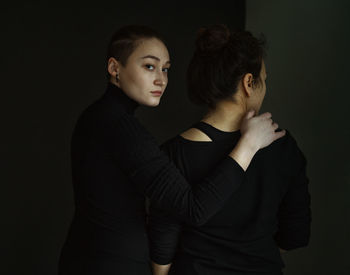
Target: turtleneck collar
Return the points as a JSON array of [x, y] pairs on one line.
[[115, 94]]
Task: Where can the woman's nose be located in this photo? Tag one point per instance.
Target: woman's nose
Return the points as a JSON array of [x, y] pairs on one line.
[[160, 80]]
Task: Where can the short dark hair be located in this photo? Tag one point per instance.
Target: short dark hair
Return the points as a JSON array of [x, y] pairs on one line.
[[125, 40], [221, 58]]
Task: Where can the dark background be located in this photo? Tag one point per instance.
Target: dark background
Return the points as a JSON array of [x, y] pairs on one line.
[[53, 65]]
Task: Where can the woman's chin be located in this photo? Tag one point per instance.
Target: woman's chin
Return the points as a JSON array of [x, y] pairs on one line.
[[152, 103]]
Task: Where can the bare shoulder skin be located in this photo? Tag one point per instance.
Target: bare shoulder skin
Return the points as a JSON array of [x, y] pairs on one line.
[[194, 134]]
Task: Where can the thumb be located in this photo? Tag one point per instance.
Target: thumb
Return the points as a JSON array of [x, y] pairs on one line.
[[250, 114]]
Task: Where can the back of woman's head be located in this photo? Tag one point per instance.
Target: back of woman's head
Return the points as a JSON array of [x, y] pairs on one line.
[[125, 40], [221, 58]]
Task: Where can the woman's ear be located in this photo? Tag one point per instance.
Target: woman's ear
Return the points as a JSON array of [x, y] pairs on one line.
[[247, 84], [113, 68]]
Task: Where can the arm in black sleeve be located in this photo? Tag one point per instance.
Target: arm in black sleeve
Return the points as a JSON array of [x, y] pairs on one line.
[[139, 156], [295, 214], [164, 233]]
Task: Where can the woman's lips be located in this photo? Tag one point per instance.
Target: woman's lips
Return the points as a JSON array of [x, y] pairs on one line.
[[157, 93]]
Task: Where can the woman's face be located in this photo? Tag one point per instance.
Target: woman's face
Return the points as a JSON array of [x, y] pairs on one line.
[[145, 75]]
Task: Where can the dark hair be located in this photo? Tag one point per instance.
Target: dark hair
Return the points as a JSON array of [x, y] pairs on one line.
[[125, 40], [221, 58]]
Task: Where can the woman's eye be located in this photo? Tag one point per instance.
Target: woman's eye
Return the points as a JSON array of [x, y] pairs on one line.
[[149, 67], [166, 70]]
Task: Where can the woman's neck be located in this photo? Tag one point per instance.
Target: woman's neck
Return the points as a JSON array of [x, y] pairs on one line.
[[226, 116]]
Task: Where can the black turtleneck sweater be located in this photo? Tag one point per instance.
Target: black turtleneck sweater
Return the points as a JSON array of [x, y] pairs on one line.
[[115, 164]]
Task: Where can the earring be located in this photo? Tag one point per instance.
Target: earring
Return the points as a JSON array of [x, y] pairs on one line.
[[117, 77]]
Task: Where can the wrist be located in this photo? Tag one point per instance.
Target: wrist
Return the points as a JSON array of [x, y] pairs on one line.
[[243, 153], [246, 144]]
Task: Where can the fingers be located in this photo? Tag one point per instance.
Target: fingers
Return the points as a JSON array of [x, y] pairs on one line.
[[274, 126], [279, 134], [250, 114], [266, 115]]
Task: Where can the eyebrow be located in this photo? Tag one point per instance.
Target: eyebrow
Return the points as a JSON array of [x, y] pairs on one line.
[[154, 57]]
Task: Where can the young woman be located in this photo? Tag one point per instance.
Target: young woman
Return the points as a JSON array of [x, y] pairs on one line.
[[270, 210], [116, 163]]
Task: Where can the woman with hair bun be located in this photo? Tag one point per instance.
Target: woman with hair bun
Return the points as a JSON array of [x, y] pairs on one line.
[[116, 164], [270, 211]]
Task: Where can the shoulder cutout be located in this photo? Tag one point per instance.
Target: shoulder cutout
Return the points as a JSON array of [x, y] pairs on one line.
[[195, 134]]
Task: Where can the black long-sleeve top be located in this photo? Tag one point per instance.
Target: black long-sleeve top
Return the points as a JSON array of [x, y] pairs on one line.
[[115, 164], [270, 210]]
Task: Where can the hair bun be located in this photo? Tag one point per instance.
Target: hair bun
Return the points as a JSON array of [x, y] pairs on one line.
[[213, 38]]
